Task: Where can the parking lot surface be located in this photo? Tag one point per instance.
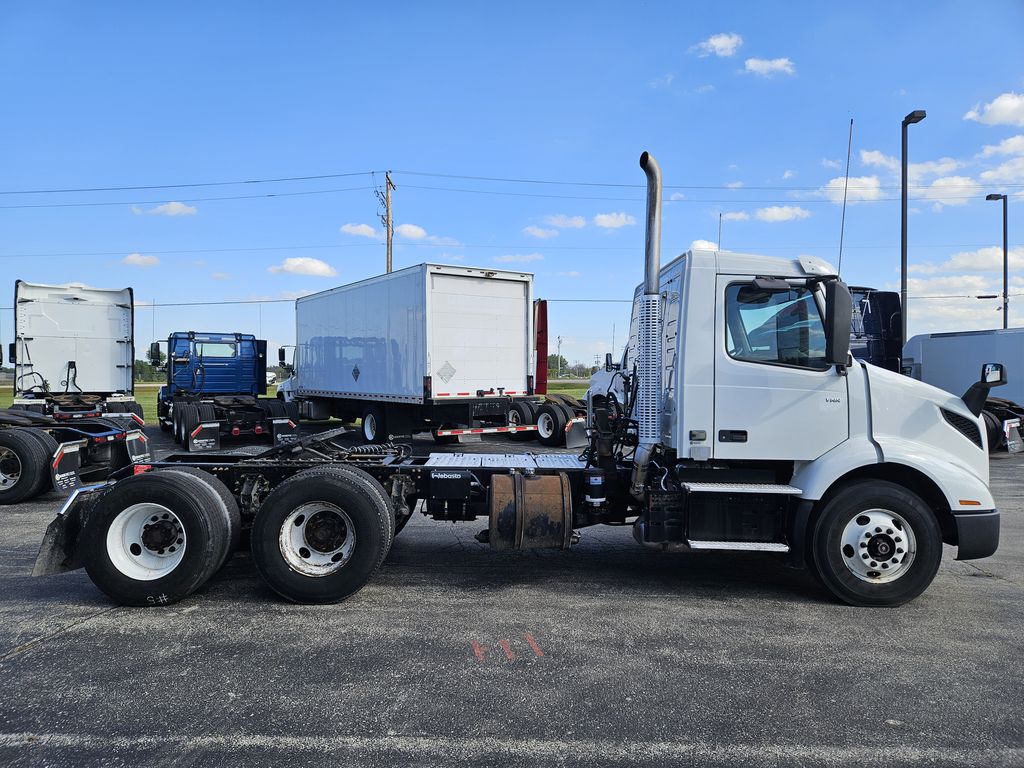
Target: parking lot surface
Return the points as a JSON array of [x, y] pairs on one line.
[[609, 654]]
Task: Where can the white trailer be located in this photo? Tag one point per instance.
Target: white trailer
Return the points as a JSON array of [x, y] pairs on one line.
[[74, 350], [430, 347], [951, 361]]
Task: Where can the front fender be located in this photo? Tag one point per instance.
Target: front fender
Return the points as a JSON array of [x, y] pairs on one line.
[[814, 478], [957, 481]]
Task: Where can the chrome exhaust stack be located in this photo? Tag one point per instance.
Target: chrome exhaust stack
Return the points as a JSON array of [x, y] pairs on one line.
[[648, 365]]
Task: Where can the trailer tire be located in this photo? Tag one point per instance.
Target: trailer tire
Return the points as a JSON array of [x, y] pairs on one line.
[[321, 534], [551, 425], [520, 414], [23, 466], [230, 507], [896, 531], [374, 427], [132, 570], [50, 446]]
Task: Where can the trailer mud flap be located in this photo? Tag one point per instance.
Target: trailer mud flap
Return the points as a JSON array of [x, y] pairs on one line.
[[205, 437], [58, 551], [1011, 428], [284, 431], [138, 447], [64, 467]]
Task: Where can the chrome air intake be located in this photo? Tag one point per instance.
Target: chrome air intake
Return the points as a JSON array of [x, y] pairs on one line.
[[648, 365]]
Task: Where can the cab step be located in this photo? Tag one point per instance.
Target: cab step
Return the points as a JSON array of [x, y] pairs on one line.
[[746, 546], [769, 488]]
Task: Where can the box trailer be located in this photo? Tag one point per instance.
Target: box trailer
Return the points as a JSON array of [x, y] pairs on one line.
[[74, 352], [427, 348]]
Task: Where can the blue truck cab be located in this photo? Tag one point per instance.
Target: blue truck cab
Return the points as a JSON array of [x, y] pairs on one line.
[[216, 386]]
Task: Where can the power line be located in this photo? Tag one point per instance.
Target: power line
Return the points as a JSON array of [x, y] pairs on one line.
[[184, 186], [184, 199]]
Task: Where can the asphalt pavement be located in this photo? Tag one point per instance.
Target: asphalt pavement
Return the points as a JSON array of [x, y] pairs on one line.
[[606, 655]]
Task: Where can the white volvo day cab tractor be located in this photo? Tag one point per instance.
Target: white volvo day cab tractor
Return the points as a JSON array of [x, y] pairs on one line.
[[736, 420]]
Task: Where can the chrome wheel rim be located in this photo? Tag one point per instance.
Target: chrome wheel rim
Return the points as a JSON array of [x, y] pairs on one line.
[[146, 541], [878, 546], [10, 469], [545, 425], [317, 539]]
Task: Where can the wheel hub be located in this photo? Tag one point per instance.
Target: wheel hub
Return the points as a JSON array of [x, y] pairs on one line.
[[325, 532], [158, 536], [878, 546], [317, 539]]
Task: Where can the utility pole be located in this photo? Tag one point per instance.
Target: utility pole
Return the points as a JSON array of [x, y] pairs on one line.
[[559, 361], [914, 117], [389, 230], [1006, 265]]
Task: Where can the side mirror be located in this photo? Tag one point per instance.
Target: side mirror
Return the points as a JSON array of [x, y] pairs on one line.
[[838, 316], [11, 357], [992, 375], [280, 355], [154, 354], [608, 365]]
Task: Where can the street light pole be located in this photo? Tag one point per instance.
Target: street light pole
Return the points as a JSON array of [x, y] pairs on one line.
[[1006, 264], [914, 117]]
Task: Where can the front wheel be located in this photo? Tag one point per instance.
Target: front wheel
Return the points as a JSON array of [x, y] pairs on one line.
[[876, 544]]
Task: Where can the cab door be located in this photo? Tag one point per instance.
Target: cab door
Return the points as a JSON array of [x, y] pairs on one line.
[[776, 397]]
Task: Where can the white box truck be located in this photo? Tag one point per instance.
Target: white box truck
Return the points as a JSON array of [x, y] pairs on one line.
[[427, 348], [74, 351]]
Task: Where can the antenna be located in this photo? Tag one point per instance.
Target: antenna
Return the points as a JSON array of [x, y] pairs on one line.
[[846, 184], [719, 230]]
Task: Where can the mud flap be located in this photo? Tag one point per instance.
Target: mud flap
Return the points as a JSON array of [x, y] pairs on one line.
[[64, 467], [138, 447], [58, 551], [284, 431], [1011, 428], [205, 437]]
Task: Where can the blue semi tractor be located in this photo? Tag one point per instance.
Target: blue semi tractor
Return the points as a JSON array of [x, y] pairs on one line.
[[216, 387]]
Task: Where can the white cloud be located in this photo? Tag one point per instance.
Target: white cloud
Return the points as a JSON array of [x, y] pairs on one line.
[[950, 190], [677, 196], [861, 188], [1005, 109], [571, 273], [833, 164], [167, 209], [140, 260], [734, 185], [614, 220], [735, 216], [1010, 172], [452, 257], [304, 265], [360, 230], [701, 89], [776, 213], [664, 81], [411, 231], [1011, 146], [220, 276], [769, 67], [788, 174], [722, 44], [703, 245], [540, 232], [880, 159], [562, 221], [518, 258], [988, 259]]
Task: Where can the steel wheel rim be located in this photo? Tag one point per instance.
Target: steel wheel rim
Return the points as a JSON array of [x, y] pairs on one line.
[[369, 426], [146, 541], [514, 420], [317, 539], [545, 425], [878, 546], [10, 469]]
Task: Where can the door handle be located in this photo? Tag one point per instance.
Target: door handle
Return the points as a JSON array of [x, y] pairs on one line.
[[732, 435]]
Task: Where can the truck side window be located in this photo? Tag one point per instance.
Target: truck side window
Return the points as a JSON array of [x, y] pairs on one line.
[[782, 327]]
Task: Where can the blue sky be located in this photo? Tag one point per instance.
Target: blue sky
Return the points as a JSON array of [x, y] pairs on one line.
[[746, 106]]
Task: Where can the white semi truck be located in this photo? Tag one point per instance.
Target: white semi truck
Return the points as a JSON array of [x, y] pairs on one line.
[[737, 421], [428, 348], [74, 352]]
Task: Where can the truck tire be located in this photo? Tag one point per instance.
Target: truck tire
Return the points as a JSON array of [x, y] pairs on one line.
[[876, 544], [374, 426], [444, 439], [136, 409], [154, 538], [46, 440], [162, 417], [993, 430], [320, 535], [521, 413], [176, 424], [230, 507], [207, 412], [291, 410], [187, 422], [551, 425], [24, 466]]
